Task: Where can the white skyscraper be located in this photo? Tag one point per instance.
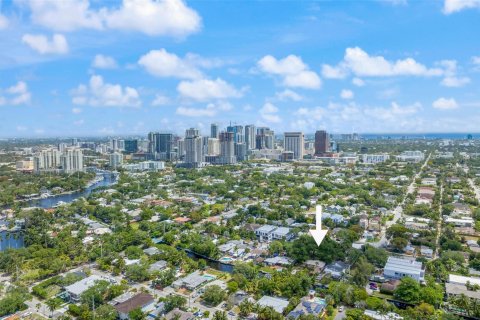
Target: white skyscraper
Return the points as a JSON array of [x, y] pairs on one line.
[[250, 136], [213, 146], [193, 148], [72, 160], [115, 159], [227, 148], [294, 141], [47, 159]]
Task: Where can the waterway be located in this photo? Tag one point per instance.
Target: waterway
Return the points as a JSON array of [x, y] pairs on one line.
[[212, 263], [109, 179]]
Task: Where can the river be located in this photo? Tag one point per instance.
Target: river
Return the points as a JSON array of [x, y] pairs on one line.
[[109, 179]]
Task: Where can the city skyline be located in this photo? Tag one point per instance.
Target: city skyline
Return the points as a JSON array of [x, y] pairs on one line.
[[381, 67]]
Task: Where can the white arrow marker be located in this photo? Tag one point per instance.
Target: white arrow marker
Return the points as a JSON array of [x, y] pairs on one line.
[[318, 234]]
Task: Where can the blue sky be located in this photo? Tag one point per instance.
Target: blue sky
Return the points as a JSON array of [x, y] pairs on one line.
[[88, 67]]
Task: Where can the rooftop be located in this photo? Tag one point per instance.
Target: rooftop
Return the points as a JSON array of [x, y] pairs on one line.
[[278, 304]]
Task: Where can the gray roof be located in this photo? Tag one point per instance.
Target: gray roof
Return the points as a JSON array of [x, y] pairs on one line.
[[157, 266], [457, 289], [265, 228], [405, 265], [81, 286], [278, 304]]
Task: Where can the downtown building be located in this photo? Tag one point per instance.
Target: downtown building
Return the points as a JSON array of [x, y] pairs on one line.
[[265, 138], [227, 148], [322, 143], [193, 149], [161, 145], [54, 160], [294, 142]]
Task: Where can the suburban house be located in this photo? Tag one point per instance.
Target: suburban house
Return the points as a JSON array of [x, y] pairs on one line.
[[142, 301], [278, 304], [336, 269], [192, 281], [75, 290], [269, 233], [398, 268], [310, 305]]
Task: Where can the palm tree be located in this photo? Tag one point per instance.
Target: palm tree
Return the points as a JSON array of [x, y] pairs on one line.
[[220, 315], [53, 304]]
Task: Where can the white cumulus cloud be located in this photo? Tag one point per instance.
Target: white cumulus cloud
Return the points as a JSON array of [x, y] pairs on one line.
[[160, 100], [40, 43], [104, 62], [99, 93], [346, 94], [152, 17], [361, 64], [294, 72], [3, 22], [452, 6], [445, 104], [205, 89], [288, 94], [210, 110], [269, 113], [16, 95], [451, 78], [165, 17], [161, 63]]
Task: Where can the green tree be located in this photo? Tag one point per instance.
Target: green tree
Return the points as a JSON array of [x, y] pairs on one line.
[[220, 315], [136, 314], [173, 302], [106, 312], [213, 295], [408, 291]]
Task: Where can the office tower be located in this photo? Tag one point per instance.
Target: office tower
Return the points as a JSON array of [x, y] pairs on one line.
[[115, 159], [131, 146], [193, 148], [227, 148], [294, 141], [241, 151], [161, 145], [213, 146], [74, 142], [264, 138], [114, 145], [322, 142], [181, 148], [237, 131], [72, 160], [121, 145], [250, 133], [214, 130]]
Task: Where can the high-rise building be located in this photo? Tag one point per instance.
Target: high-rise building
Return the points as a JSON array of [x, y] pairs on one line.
[[213, 146], [193, 148], [241, 151], [181, 148], [72, 160], [294, 141], [237, 131], [114, 145], [47, 159], [161, 145], [250, 137], [131, 146], [264, 138], [214, 130], [322, 142], [115, 159], [227, 148]]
